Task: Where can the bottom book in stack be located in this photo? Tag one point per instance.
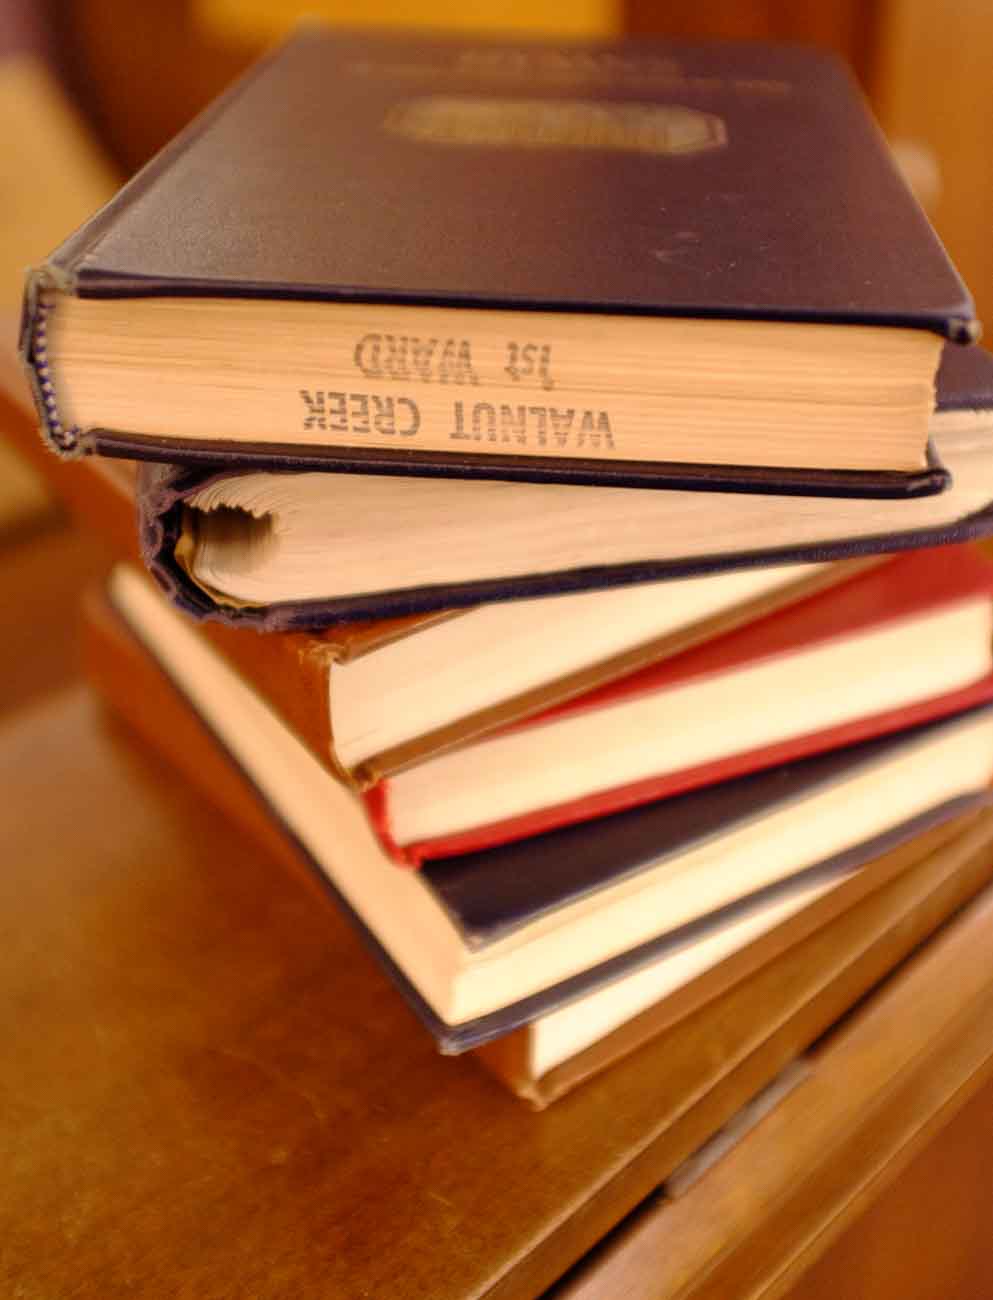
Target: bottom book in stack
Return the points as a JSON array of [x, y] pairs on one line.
[[823, 872]]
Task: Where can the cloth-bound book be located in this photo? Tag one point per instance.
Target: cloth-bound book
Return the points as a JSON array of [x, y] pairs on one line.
[[623, 263]]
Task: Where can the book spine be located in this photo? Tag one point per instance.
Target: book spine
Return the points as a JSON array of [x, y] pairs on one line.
[[377, 806], [40, 295], [508, 1059], [65, 272], [292, 674]]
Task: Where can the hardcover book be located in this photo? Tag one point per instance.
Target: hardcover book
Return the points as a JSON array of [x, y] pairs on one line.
[[305, 549], [485, 943], [619, 263]]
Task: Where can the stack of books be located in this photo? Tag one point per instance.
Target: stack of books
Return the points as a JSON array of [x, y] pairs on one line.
[[560, 469]]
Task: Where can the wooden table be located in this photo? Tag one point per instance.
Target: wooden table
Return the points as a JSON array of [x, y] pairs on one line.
[[209, 1089]]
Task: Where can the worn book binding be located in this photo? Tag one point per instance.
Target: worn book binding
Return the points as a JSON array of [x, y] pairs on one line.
[[677, 535]]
